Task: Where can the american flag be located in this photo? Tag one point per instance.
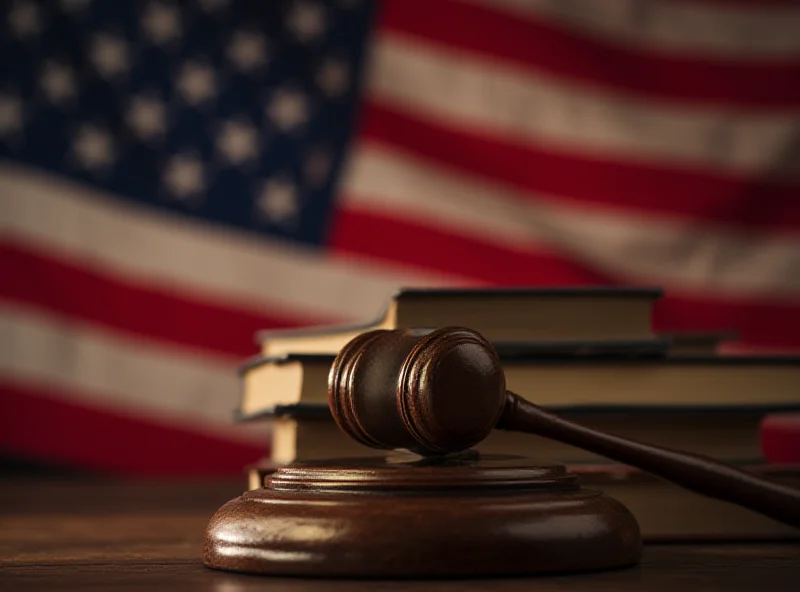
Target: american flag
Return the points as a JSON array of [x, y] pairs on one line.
[[177, 176]]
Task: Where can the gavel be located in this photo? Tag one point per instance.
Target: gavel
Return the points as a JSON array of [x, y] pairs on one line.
[[442, 391]]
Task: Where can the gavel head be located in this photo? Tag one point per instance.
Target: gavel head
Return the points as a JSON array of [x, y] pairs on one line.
[[431, 392]]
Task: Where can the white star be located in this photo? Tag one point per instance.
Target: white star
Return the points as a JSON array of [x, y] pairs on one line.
[[196, 82], [110, 55], [238, 142], [57, 82], [147, 117], [288, 109], [10, 116], [162, 23], [278, 202], [213, 5], [306, 20], [247, 50], [24, 19], [333, 77], [93, 147], [185, 176], [318, 166]]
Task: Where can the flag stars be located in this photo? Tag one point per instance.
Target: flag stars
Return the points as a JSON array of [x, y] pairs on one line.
[[147, 117], [184, 177], [25, 19], [93, 147], [318, 166], [278, 202], [10, 116], [288, 110], [161, 23], [306, 20], [238, 142], [333, 77], [110, 55], [197, 83], [58, 83], [247, 51]]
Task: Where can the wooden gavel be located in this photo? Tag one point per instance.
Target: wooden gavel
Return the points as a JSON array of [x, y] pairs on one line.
[[443, 391]]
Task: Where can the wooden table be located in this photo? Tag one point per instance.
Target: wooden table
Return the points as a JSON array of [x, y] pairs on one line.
[[146, 536]]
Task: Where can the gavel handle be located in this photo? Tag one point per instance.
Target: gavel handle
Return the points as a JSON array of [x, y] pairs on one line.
[[694, 472]]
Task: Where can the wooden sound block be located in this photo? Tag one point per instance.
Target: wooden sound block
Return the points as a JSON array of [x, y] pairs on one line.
[[405, 516]]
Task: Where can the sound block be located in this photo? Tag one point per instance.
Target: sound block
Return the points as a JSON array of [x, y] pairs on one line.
[[405, 516]]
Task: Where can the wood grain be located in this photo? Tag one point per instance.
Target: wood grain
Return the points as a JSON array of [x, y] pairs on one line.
[[465, 515], [148, 536]]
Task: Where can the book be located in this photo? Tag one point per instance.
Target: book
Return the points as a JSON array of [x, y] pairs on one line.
[[665, 512], [688, 343], [303, 433], [499, 314], [697, 381]]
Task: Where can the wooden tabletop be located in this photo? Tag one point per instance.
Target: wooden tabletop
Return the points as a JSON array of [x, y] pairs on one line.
[[146, 536]]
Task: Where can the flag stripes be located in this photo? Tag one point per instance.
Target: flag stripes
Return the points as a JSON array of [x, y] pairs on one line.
[[533, 109], [544, 171], [485, 31]]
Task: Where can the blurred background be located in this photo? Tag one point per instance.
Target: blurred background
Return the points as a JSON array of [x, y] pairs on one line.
[[177, 176]]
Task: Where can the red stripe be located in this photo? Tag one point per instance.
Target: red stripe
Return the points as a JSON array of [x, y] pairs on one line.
[[780, 438], [549, 174], [38, 423], [770, 326], [385, 240], [433, 249], [543, 46], [75, 289]]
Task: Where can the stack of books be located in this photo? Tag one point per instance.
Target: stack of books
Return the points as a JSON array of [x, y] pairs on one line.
[[589, 354]]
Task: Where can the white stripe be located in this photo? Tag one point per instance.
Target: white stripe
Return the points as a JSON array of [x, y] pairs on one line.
[[98, 368], [728, 31], [534, 108], [640, 250], [168, 252]]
